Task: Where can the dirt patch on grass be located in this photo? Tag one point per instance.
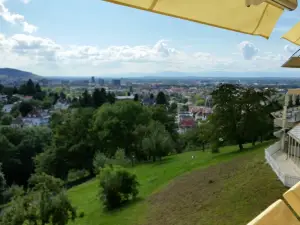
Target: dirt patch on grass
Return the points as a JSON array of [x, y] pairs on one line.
[[229, 193]]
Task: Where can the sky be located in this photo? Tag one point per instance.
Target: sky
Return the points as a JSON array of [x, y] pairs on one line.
[[96, 38]]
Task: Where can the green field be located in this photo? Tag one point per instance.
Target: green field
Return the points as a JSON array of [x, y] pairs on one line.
[[226, 188]]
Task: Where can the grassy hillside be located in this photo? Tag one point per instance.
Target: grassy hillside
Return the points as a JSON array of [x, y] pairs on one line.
[[227, 188]]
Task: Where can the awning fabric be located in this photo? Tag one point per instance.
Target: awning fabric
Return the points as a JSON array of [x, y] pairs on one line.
[[227, 14], [293, 35]]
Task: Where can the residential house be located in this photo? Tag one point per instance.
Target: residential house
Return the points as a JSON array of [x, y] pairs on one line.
[[17, 122], [37, 118], [148, 101], [7, 108], [61, 105], [3, 98], [130, 97]]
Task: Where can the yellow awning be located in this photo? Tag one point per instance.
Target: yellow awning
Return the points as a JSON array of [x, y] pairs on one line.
[[293, 35], [227, 14]]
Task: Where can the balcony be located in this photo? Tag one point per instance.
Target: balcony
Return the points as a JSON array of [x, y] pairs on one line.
[[286, 169], [289, 123]]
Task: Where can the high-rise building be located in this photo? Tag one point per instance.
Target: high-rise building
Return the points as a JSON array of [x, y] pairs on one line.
[[101, 82], [116, 82]]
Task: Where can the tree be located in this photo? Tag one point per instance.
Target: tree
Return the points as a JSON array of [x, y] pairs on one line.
[[38, 88], [240, 114], [30, 88], [117, 185], [157, 142], [114, 126], [8, 159], [173, 107], [86, 99], [111, 98], [161, 99], [45, 203], [198, 136], [160, 114], [25, 108], [99, 97], [99, 162], [62, 95], [6, 119], [33, 142], [136, 97], [185, 108], [74, 149]]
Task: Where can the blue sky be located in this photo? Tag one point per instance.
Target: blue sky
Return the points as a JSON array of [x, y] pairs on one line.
[[80, 37]]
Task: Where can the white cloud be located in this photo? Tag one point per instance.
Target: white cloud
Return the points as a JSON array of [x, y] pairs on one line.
[[290, 49], [15, 18], [25, 1], [29, 28], [248, 50], [46, 57]]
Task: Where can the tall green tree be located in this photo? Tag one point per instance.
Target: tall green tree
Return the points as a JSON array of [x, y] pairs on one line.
[[114, 126], [161, 98], [74, 149], [157, 142], [227, 116], [30, 88], [136, 97], [241, 114], [99, 97], [38, 88], [25, 108], [86, 99], [161, 114]]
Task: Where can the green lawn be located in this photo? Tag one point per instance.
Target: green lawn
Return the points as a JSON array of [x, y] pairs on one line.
[[154, 179]]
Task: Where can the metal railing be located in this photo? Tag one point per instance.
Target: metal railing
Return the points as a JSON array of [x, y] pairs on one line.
[[286, 179]]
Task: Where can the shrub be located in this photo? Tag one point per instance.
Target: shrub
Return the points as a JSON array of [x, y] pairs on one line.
[[12, 192], [117, 186], [81, 214], [99, 162], [120, 158]]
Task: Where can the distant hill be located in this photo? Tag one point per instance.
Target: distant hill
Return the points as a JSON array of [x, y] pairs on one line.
[[18, 74]]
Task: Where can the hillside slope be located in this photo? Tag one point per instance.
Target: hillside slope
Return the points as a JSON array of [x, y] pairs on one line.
[[223, 189], [15, 73]]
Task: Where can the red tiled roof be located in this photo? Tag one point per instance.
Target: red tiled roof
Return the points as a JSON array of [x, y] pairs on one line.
[[188, 122]]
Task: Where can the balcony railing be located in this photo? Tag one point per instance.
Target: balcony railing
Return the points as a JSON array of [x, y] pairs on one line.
[[286, 179], [278, 123]]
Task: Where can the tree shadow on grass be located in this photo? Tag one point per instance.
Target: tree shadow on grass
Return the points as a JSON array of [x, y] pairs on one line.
[[158, 162], [124, 205], [163, 161], [245, 150]]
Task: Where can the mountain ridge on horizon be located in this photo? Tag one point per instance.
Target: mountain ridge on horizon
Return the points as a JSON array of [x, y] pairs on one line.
[[12, 72], [16, 73]]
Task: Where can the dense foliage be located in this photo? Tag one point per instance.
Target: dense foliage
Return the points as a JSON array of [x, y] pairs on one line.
[[44, 203], [241, 114], [17, 148], [117, 185]]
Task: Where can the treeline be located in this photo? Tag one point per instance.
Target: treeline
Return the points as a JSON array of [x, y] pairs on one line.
[[96, 99], [240, 115], [29, 88], [144, 133]]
